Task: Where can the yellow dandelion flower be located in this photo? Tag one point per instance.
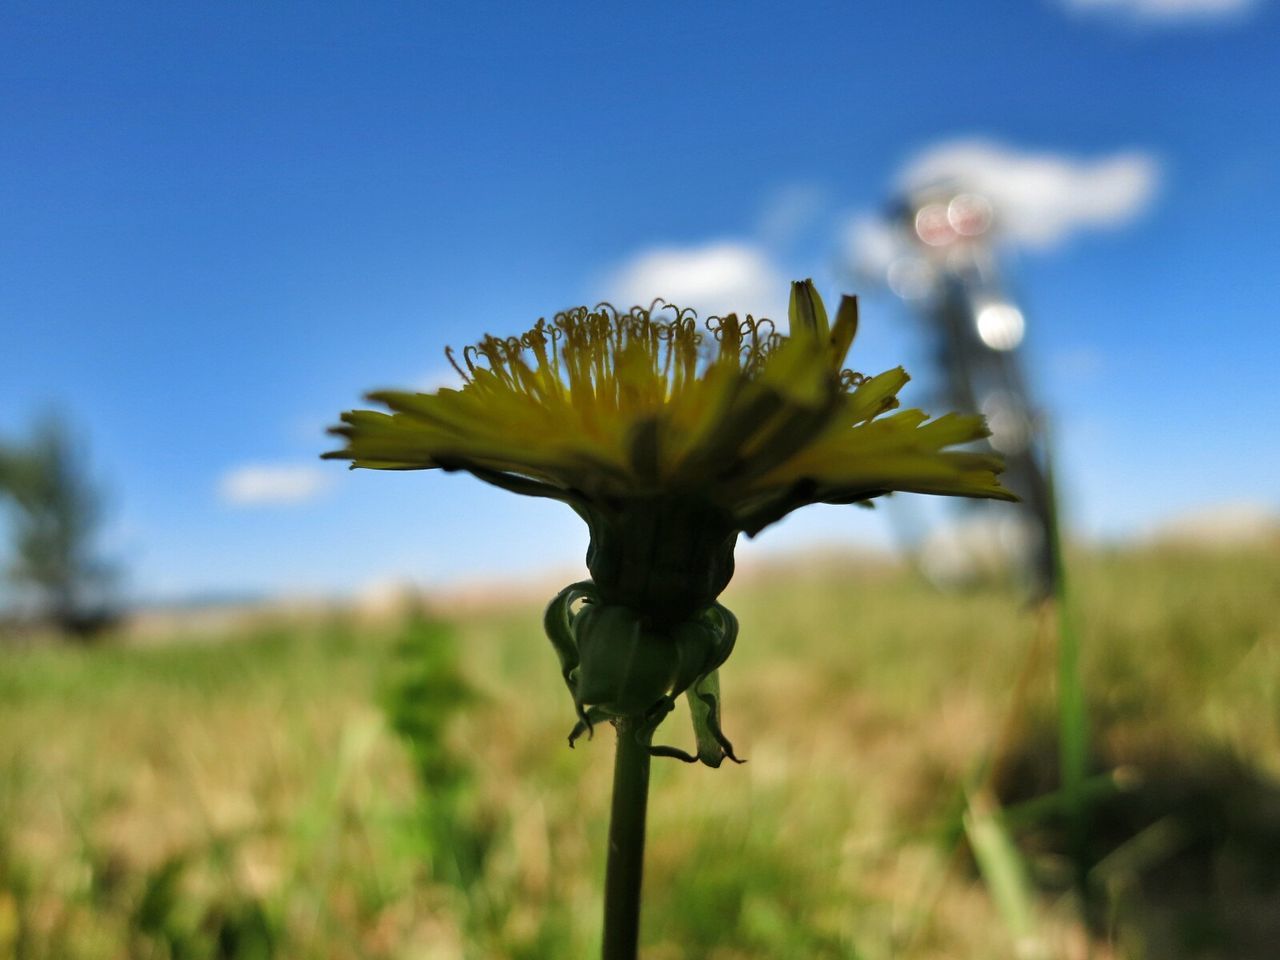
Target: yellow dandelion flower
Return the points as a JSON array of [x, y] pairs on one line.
[[670, 437]]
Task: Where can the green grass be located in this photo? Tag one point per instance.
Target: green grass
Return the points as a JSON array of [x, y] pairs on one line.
[[318, 791]]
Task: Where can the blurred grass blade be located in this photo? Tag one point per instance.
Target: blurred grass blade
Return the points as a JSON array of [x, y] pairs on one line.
[[1073, 722], [1004, 872], [1100, 787]]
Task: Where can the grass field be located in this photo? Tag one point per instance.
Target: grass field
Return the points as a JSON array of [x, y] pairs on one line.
[[331, 789]]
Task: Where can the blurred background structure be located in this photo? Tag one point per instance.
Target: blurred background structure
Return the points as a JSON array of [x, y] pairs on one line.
[[943, 262], [222, 223]]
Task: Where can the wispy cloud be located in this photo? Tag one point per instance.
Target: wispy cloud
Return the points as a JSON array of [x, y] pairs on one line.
[[262, 484], [1164, 10], [714, 278]]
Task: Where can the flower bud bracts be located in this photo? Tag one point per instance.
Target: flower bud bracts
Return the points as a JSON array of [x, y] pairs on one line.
[[619, 664], [665, 556]]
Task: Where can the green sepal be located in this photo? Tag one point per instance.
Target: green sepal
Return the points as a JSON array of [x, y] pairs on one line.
[[704, 707], [620, 668], [675, 753], [697, 645], [728, 630], [703, 694], [557, 622], [587, 722], [625, 666]]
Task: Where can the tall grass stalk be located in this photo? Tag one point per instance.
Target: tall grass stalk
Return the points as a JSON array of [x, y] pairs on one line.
[[1004, 871], [1073, 722]]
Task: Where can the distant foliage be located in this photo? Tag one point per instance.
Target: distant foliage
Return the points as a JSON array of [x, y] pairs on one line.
[[56, 516], [424, 693]]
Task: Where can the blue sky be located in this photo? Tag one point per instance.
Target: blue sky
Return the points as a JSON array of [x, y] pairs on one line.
[[222, 223]]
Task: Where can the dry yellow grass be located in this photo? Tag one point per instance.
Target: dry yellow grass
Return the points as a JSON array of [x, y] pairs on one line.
[[258, 777]]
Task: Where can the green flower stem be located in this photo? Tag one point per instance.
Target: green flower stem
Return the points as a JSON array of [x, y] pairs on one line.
[[626, 844]]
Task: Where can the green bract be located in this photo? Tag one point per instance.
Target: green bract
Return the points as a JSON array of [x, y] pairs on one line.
[[667, 556], [619, 664]]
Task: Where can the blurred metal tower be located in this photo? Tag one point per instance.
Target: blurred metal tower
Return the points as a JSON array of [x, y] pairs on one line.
[[947, 272]]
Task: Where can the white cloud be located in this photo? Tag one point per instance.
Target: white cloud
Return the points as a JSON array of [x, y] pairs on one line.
[[1041, 199], [259, 484], [713, 278], [1164, 10]]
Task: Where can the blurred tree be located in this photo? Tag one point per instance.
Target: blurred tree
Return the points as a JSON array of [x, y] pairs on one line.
[[56, 516]]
